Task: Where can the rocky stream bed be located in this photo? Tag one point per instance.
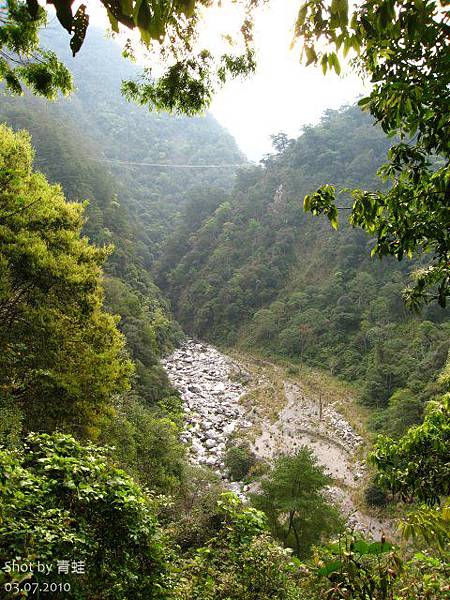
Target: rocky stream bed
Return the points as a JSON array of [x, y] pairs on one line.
[[211, 386], [211, 400]]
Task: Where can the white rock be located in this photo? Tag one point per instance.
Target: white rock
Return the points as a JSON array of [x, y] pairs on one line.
[[210, 400]]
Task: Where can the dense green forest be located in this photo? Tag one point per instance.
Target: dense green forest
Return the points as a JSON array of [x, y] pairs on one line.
[[253, 268], [98, 124], [130, 208], [106, 265]]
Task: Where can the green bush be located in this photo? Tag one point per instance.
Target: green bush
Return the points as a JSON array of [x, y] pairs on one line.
[[416, 466], [60, 500], [239, 460], [425, 577], [194, 517], [352, 568], [356, 569], [242, 562], [146, 445], [293, 370]]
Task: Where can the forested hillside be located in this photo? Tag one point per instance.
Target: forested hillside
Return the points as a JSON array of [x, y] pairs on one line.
[[98, 124], [138, 464], [130, 208], [61, 152], [255, 269]]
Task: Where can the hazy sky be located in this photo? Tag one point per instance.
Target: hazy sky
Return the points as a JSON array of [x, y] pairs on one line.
[[282, 95]]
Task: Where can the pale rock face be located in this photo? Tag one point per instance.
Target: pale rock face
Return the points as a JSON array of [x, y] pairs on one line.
[[213, 412], [211, 402]]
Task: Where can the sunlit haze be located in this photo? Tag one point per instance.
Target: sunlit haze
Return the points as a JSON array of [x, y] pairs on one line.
[[283, 95]]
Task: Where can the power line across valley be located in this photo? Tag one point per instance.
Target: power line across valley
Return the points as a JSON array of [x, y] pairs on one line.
[[170, 165]]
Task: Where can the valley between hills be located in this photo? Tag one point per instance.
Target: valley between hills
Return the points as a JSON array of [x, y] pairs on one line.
[[276, 409], [222, 380]]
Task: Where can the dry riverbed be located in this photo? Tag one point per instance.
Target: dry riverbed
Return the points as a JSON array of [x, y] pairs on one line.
[[230, 398]]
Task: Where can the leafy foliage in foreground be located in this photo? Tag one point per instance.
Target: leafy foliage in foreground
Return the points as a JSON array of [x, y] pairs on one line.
[[63, 501], [416, 469], [60, 500], [416, 465], [22, 60], [240, 562], [358, 569], [64, 363], [402, 48], [168, 32]]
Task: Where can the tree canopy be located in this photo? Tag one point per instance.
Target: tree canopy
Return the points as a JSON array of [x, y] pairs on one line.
[[56, 339], [416, 465], [400, 46], [168, 30], [62, 501], [292, 498]]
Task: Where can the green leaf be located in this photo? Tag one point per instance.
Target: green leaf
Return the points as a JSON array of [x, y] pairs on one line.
[[379, 548], [330, 568], [188, 7], [311, 56], [113, 21], [339, 10], [334, 60], [347, 45], [356, 44], [301, 17], [137, 8], [80, 25], [126, 6], [334, 223], [360, 547]]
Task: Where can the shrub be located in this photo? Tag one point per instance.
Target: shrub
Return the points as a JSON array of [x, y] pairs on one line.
[[193, 517], [242, 562], [355, 569], [60, 500], [293, 370], [239, 460], [416, 466]]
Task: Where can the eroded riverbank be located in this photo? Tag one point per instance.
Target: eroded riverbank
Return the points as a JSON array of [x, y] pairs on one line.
[[217, 394]]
